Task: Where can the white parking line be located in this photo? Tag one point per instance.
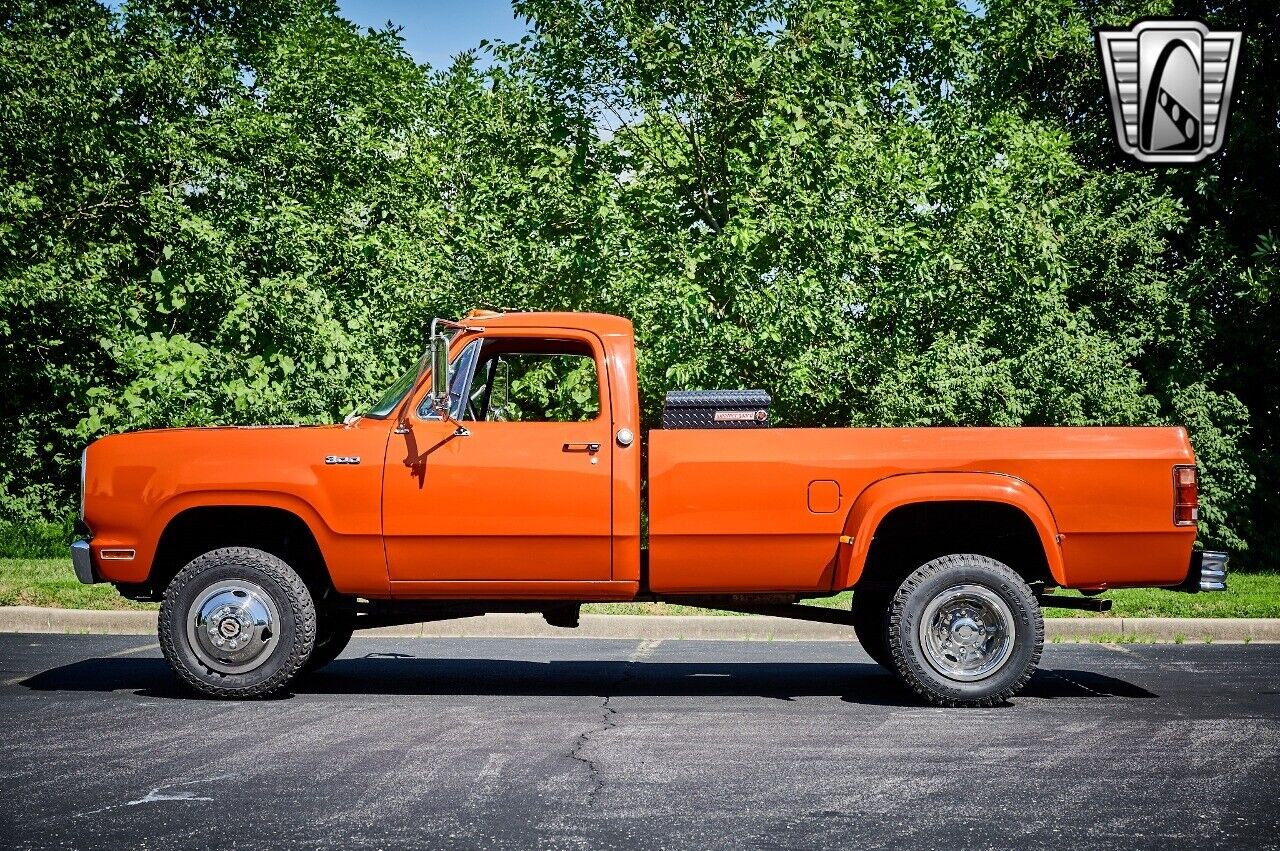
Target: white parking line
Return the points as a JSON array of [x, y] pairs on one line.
[[644, 649], [155, 645]]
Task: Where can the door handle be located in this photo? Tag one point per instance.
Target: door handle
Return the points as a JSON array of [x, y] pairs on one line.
[[582, 447]]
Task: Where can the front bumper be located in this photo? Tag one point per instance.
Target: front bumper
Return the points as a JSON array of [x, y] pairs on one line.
[[82, 558], [1208, 572]]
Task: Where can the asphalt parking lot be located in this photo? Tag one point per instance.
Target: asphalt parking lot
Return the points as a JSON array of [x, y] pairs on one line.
[[567, 743]]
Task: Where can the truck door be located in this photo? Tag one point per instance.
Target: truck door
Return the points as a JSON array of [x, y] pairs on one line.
[[525, 493]]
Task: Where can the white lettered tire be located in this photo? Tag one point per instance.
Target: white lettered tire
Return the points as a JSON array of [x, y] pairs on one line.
[[965, 630], [237, 622]]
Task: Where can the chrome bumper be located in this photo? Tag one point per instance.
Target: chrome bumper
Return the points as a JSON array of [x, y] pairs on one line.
[[83, 561], [1208, 572]]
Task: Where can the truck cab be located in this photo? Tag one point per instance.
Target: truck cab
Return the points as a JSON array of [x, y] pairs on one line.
[[532, 449]]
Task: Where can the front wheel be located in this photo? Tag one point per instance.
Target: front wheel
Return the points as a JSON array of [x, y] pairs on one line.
[[237, 622], [965, 630]]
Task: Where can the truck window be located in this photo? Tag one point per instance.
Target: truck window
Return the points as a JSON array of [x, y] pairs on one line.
[[535, 386]]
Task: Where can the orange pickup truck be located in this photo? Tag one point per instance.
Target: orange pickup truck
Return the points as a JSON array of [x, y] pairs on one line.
[[507, 473]]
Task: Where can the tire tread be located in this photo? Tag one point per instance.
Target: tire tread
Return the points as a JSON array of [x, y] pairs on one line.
[[870, 611]]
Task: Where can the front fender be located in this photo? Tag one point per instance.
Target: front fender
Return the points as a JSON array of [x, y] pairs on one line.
[[137, 483], [355, 563], [880, 498], [144, 537]]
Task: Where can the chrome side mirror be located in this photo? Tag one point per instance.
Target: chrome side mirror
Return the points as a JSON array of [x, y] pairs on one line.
[[440, 374]]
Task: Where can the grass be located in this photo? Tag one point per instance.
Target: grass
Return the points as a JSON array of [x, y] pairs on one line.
[[1248, 595], [36, 540], [52, 582]]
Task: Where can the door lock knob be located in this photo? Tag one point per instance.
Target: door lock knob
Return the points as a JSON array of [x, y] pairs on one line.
[[625, 437]]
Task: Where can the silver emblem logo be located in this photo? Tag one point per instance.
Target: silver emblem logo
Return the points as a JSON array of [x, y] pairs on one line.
[[1170, 84], [342, 459]]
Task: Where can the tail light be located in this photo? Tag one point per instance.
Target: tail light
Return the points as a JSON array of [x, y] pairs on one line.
[[1186, 495]]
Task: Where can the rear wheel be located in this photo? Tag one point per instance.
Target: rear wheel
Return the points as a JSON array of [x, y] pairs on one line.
[[965, 630], [333, 633], [237, 622], [870, 624]]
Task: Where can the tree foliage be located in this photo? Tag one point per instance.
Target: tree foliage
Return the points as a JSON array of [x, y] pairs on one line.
[[887, 212]]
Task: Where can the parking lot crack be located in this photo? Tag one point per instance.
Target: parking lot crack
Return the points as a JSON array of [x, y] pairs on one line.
[[608, 720]]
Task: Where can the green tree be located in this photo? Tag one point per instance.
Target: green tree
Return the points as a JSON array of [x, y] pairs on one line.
[[887, 212], [1224, 258], [845, 203], [211, 216]]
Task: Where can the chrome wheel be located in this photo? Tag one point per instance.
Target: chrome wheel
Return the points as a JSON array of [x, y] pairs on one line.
[[967, 632], [232, 626]]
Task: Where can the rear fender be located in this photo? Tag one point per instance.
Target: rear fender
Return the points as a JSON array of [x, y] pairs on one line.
[[880, 498]]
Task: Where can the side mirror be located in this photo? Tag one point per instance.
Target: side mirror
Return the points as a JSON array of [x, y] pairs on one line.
[[440, 373]]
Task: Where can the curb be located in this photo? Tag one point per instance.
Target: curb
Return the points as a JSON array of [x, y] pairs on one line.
[[665, 627], [83, 621]]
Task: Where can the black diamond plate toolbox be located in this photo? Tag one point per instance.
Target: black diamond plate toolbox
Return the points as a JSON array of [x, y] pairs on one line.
[[716, 409]]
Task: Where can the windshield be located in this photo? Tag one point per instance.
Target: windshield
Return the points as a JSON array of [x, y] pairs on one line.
[[384, 406], [402, 385]]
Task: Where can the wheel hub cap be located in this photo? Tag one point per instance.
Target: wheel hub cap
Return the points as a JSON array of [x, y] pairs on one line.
[[967, 632], [232, 626]]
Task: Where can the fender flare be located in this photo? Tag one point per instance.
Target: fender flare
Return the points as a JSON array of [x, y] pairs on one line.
[[166, 513], [880, 498]]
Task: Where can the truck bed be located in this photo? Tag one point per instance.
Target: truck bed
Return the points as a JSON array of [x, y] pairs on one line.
[[764, 510]]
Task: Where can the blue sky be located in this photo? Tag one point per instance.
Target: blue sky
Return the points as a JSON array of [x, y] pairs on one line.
[[435, 31]]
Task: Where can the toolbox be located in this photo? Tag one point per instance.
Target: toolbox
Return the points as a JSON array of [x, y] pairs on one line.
[[716, 409]]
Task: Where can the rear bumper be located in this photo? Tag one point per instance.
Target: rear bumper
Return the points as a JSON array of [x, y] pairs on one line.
[[82, 558], [1208, 572]]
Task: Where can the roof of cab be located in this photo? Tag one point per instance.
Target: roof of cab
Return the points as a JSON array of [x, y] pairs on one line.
[[600, 323]]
